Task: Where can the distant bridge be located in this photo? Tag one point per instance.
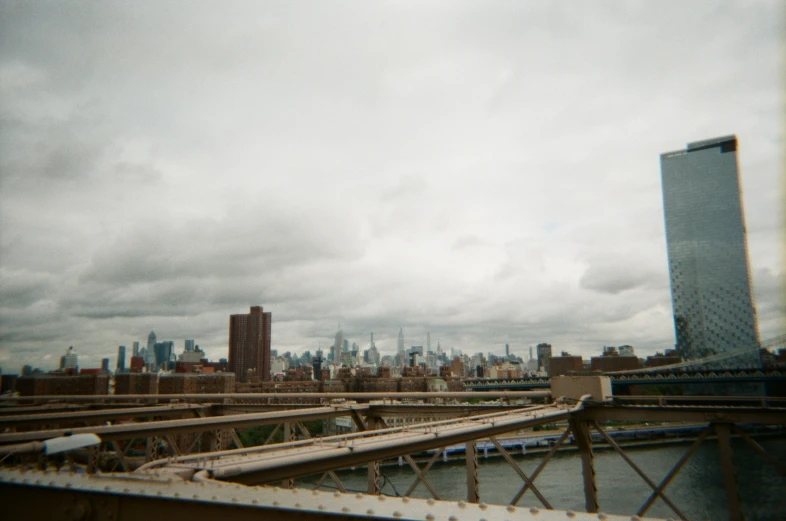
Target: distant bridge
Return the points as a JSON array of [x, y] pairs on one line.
[[620, 381]]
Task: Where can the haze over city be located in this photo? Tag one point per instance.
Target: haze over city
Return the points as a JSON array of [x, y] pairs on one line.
[[486, 173]]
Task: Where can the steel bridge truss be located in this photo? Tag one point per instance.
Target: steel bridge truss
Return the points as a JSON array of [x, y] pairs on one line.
[[318, 459]]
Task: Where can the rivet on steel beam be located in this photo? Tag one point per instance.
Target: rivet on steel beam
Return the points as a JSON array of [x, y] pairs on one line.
[[482, 506], [430, 517], [107, 488], [159, 493], [370, 512], [511, 508], [452, 518], [461, 504], [345, 510], [297, 505], [126, 490], [276, 503], [397, 514], [320, 507], [336, 494], [195, 496], [359, 496], [534, 510], [602, 516], [635, 518], [405, 500], [315, 492], [430, 501], [381, 498], [570, 513], [214, 498], [176, 494]]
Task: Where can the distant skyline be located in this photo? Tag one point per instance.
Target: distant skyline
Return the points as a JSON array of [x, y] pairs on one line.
[[486, 172]]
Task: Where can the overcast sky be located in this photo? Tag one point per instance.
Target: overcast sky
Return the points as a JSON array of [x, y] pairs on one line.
[[485, 171]]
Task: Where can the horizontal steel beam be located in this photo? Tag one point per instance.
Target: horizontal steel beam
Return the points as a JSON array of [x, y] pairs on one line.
[[759, 415], [701, 400], [160, 428], [13, 408], [272, 396], [61, 496], [430, 410], [98, 415]]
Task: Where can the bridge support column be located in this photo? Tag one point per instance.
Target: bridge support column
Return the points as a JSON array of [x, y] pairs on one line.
[[729, 471], [373, 478], [581, 434], [288, 432], [473, 483]]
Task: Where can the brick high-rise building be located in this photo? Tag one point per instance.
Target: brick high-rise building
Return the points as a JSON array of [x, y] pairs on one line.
[[249, 344]]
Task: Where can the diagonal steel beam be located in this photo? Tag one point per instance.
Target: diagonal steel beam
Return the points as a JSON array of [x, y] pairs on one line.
[[338, 482], [173, 446], [303, 429], [520, 472], [420, 476], [197, 438], [236, 439], [272, 434], [673, 472], [542, 465], [358, 420], [640, 472], [758, 448], [319, 481], [121, 460]]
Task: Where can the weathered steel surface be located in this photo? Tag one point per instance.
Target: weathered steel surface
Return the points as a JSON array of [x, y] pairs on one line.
[[99, 415], [144, 429], [66, 496], [315, 456]]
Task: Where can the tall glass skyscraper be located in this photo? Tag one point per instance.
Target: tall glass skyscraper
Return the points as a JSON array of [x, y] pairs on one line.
[[707, 249]]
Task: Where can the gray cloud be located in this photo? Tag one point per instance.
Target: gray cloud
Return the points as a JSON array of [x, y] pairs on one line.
[[486, 173]]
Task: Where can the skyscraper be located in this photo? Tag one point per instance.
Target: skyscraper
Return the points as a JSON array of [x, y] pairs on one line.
[[338, 344], [249, 344], [69, 360], [707, 249], [163, 352], [401, 354], [121, 359], [544, 353], [151, 341]]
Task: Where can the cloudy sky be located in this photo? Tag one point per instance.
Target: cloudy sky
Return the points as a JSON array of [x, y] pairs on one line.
[[485, 171]]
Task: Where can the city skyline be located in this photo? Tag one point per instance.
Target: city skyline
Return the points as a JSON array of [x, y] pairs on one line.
[[491, 178]]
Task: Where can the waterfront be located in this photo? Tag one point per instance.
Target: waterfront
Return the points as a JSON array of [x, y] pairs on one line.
[[697, 489]]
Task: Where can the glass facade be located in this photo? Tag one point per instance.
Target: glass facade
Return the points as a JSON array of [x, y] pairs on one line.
[[707, 250]]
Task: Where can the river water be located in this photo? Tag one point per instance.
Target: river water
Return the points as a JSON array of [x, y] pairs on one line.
[[698, 489]]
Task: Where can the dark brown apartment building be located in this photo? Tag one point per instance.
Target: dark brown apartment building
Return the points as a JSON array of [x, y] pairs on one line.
[[249, 345]]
